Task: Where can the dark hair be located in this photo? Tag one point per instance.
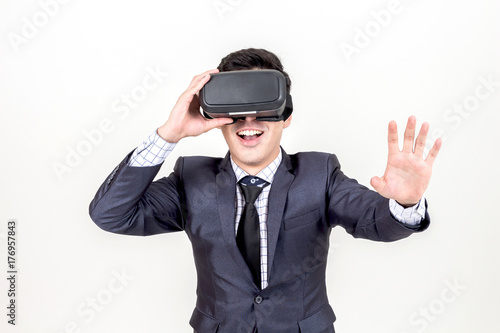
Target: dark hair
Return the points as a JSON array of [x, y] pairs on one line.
[[253, 58]]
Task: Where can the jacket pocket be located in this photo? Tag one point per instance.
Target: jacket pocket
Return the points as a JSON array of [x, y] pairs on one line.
[[319, 321], [203, 323], [304, 219]]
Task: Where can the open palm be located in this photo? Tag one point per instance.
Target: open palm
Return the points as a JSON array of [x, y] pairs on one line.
[[407, 173]]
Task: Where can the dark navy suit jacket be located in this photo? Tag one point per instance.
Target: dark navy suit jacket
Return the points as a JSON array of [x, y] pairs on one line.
[[308, 197]]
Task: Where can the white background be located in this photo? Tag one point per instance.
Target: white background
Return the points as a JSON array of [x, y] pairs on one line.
[[63, 78]]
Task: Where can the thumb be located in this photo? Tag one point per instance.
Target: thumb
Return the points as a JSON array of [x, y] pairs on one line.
[[219, 122], [376, 183]]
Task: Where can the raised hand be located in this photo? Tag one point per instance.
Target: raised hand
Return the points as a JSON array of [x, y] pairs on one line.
[[185, 118], [407, 174]]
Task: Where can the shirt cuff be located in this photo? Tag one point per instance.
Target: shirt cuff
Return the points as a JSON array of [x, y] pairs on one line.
[[153, 151], [411, 216]]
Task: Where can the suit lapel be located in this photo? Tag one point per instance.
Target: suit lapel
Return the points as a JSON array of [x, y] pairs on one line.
[[226, 201], [277, 200]]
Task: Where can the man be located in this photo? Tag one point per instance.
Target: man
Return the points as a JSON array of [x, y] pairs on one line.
[[301, 198]]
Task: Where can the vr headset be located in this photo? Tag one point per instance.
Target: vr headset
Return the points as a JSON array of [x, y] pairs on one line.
[[247, 93]]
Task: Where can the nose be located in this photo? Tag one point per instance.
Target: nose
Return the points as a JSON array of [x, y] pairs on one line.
[[249, 119]]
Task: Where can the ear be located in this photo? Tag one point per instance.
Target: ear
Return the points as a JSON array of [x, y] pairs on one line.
[[287, 122]]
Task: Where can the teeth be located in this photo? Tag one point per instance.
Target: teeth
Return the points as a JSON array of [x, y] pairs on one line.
[[249, 132]]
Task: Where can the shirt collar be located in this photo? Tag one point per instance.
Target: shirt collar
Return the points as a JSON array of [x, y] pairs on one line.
[[266, 174]]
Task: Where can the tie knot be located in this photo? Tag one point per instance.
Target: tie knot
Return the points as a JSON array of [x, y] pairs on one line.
[[251, 187]]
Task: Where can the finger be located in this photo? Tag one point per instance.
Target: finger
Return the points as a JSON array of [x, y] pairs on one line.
[[409, 135], [393, 138], [200, 80], [217, 122], [195, 86], [421, 139], [434, 151]]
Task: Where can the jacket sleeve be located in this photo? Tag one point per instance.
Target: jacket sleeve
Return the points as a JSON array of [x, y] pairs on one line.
[[130, 203], [363, 212]]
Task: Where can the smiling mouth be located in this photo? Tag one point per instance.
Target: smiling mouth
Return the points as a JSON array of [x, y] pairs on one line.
[[249, 134]]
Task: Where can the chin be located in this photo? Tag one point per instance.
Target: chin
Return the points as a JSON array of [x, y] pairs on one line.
[[251, 159]]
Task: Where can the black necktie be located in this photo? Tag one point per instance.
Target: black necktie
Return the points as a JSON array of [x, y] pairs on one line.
[[248, 235]]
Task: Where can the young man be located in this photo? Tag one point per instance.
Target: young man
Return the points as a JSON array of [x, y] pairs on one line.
[[281, 288]]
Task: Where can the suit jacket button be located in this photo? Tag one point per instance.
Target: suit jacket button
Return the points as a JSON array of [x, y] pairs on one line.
[[258, 299]]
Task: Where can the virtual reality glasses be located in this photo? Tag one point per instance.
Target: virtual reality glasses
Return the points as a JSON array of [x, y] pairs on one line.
[[247, 93]]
